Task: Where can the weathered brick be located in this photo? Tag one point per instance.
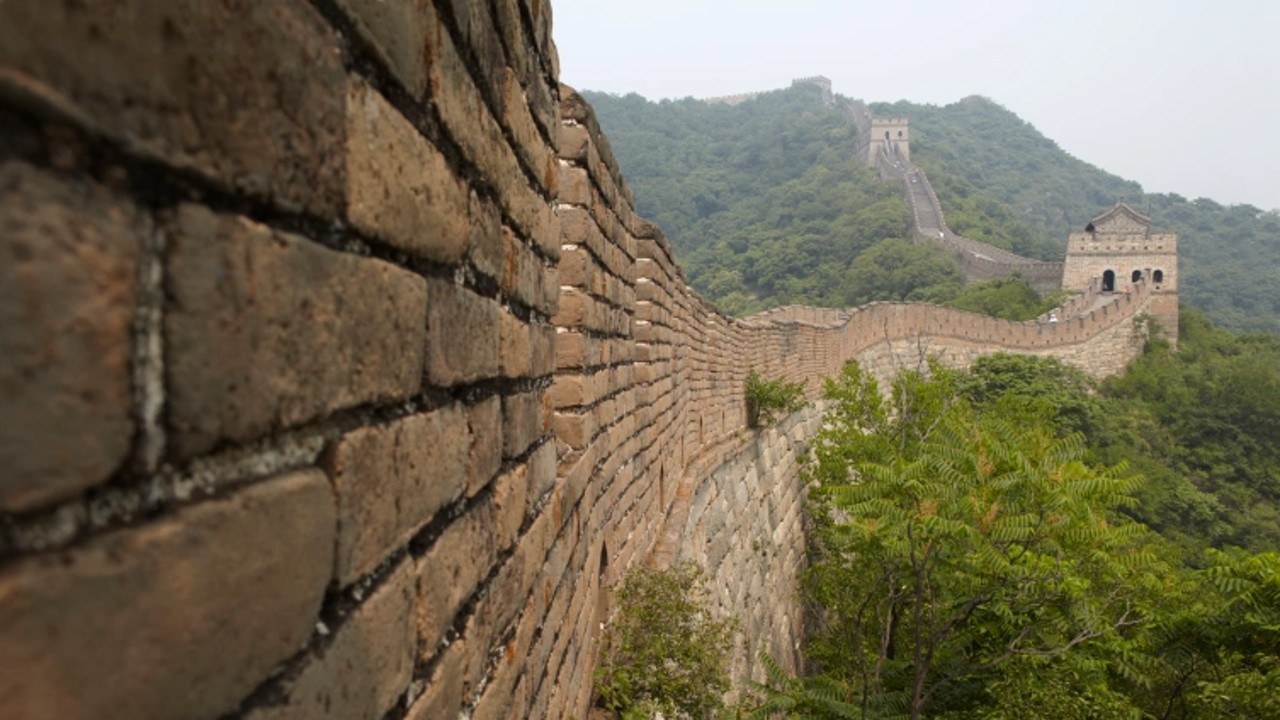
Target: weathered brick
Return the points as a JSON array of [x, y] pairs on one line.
[[574, 141], [462, 335], [450, 571], [257, 110], [574, 429], [570, 349], [397, 31], [574, 309], [390, 480], [525, 418], [487, 251], [68, 267], [541, 162], [269, 330], [575, 185], [523, 275], [471, 123], [542, 348], [568, 391], [399, 186], [515, 354], [484, 421], [365, 668], [510, 492], [443, 697], [542, 474], [191, 611]]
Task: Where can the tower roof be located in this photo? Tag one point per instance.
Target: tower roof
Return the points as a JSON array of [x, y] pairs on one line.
[[1120, 218]]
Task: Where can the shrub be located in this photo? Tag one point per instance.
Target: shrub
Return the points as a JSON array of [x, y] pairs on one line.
[[663, 652], [769, 400]]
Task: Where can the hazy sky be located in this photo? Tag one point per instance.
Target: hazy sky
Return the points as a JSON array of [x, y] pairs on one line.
[[1181, 96]]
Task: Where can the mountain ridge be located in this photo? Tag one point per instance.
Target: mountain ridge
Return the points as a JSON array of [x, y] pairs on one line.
[[998, 178]]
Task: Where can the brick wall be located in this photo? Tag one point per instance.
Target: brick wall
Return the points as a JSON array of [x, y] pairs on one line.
[[340, 378]]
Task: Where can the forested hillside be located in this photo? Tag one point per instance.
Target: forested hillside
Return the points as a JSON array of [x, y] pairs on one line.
[[766, 206], [1229, 256], [759, 199]]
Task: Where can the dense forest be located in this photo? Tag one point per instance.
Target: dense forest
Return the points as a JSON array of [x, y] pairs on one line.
[[766, 206]]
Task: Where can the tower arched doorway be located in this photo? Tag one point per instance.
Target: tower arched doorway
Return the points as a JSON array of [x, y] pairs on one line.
[[1137, 276], [1109, 281]]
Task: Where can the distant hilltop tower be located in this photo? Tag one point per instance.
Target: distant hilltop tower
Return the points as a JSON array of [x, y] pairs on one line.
[[823, 82], [1116, 250], [891, 134]]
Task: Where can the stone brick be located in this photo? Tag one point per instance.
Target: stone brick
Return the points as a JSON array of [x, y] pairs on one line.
[[573, 141], [462, 335], [397, 31], [568, 391], [365, 668], [573, 429], [471, 124], [68, 268], [487, 251], [570, 349], [524, 278], [268, 330], [533, 150], [443, 697], [542, 338], [484, 421], [514, 348], [257, 110], [525, 418], [399, 187], [510, 492], [575, 185], [191, 611], [542, 474], [390, 480], [450, 571]]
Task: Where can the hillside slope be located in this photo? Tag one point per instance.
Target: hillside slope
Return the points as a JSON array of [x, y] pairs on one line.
[[1229, 255]]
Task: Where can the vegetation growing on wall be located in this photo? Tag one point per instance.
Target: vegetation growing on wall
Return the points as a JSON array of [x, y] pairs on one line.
[[663, 651], [770, 399]]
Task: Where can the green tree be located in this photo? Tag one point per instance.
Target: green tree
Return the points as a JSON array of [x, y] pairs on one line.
[[895, 269], [961, 543], [663, 651]]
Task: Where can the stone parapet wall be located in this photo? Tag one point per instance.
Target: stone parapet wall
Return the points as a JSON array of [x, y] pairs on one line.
[[341, 379]]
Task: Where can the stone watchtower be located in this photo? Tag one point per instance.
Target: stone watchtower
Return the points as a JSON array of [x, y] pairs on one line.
[[1116, 250], [891, 133]]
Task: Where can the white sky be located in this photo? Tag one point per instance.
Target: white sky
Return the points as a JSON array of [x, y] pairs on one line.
[[1182, 96]]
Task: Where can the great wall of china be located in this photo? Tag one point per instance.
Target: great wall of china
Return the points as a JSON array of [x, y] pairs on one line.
[[341, 379]]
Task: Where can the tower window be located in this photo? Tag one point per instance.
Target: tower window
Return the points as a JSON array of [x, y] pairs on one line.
[[1109, 281], [1158, 276], [1137, 275]]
